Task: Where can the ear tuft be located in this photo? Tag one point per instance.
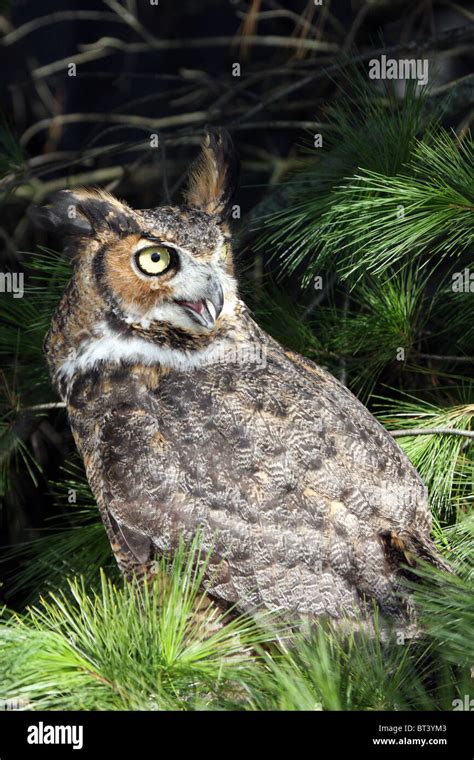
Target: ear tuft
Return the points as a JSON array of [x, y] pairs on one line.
[[83, 213], [62, 216], [213, 177]]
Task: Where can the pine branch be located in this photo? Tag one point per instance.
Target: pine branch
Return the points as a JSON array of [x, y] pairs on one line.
[[457, 359], [158, 646], [431, 431], [440, 447]]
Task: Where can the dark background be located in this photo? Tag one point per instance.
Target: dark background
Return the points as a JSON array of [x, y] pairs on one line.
[[196, 76]]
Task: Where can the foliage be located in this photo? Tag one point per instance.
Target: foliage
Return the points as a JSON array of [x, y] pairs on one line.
[[444, 462], [126, 646]]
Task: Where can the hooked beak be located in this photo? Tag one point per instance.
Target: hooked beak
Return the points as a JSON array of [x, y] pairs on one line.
[[206, 310]]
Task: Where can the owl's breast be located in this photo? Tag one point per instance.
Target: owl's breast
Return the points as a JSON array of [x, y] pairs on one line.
[[283, 472]]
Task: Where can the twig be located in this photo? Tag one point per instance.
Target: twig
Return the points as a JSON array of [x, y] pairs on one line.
[[269, 40], [130, 120], [278, 124], [437, 357], [343, 361], [41, 407], [107, 45], [451, 85], [456, 7], [166, 190], [360, 16], [131, 20], [35, 191], [54, 18], [431, 431], [335, 23], [283, 13], [434, 42], [318, 298]]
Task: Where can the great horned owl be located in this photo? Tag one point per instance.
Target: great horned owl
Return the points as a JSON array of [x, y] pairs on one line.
[[191, 419]]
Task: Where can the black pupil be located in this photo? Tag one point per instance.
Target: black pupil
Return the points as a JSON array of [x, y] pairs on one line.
[[155, 256]]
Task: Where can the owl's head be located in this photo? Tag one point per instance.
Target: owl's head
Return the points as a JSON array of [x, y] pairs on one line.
[[164, 274]]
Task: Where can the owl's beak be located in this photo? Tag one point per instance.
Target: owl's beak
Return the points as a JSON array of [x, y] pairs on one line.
[[206, 311]]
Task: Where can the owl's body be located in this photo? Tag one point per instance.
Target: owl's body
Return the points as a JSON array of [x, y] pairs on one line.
[[190, 419]]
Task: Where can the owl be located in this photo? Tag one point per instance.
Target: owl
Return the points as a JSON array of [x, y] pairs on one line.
[[192, 421]]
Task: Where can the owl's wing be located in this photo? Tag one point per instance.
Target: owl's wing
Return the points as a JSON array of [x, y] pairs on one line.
[[303, 500]]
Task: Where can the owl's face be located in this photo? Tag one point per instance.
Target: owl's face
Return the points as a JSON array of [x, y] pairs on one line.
[[167, 265], [162, 275], [154, 271], [151, 287]]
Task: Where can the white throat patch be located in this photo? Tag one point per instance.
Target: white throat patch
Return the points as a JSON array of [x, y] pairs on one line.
[[112, 347]]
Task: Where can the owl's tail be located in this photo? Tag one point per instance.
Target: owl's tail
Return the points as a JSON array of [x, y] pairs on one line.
[[406, 553], [407, 550]]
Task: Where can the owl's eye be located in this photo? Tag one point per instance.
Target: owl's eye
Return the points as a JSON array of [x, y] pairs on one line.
[[153, 260]]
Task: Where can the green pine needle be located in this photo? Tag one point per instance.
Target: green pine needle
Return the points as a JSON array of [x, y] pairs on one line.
[[127, 647], [443, 461]]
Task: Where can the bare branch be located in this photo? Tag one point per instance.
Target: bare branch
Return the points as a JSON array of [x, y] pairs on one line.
[[107, 45], [129, 120], [431, 431], [434, 43], [44, 407], [55, 18], [437, 357], [131, 20]]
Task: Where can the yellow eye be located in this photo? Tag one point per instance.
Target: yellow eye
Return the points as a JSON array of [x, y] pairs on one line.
[[223, 251], [153, 260]]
